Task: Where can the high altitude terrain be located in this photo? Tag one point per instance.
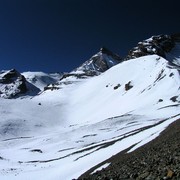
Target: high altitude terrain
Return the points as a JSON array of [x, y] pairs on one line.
[[57, 126]]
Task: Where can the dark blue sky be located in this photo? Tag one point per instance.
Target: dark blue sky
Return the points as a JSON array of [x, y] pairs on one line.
[[59, 35]]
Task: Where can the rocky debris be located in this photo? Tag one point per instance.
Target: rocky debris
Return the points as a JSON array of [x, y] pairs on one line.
[[174, 98], [12, 83], [172, 74], [160, 76], [79, 76], [51, 87], [37, 150], [159, 45], [128, 86], [157, 160], [160, 100], [117, 86]]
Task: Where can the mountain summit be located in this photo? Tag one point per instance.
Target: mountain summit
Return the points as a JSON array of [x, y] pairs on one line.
[[100, 62]]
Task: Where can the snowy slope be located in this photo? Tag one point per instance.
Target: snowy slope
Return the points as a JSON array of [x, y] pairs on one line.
[[62, 133], [41, 79]]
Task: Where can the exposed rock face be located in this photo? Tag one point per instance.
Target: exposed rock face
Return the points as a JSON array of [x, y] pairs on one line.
[[128, 86], [99, 63], [176, 37], [12, 83], [159, 45]]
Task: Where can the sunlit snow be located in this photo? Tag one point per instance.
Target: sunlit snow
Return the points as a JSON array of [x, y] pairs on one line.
[[60, 134]]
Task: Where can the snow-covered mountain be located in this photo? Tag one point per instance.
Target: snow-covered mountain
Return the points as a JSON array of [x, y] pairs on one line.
[[14, 84], [82, 120], [99, 63], [41, 79]]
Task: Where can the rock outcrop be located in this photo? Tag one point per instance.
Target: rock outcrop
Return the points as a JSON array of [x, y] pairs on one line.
[[159, 45], [12, 83], [166, 46]]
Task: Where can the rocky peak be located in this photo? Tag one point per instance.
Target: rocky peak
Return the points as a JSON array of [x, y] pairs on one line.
[[10, 76], [12, 83], [160, 45], [99, 63]]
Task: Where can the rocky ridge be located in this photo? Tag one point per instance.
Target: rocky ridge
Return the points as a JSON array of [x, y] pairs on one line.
[[161, 45], [13, 84], [155, 45]]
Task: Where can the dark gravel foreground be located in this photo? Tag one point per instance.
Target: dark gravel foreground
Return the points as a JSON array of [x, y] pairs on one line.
[[157, 160]]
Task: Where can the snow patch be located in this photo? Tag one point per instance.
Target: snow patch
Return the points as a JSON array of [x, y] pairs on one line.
[[101, 167]]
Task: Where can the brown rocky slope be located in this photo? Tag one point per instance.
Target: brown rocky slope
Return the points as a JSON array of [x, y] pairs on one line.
[[157, 160]]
